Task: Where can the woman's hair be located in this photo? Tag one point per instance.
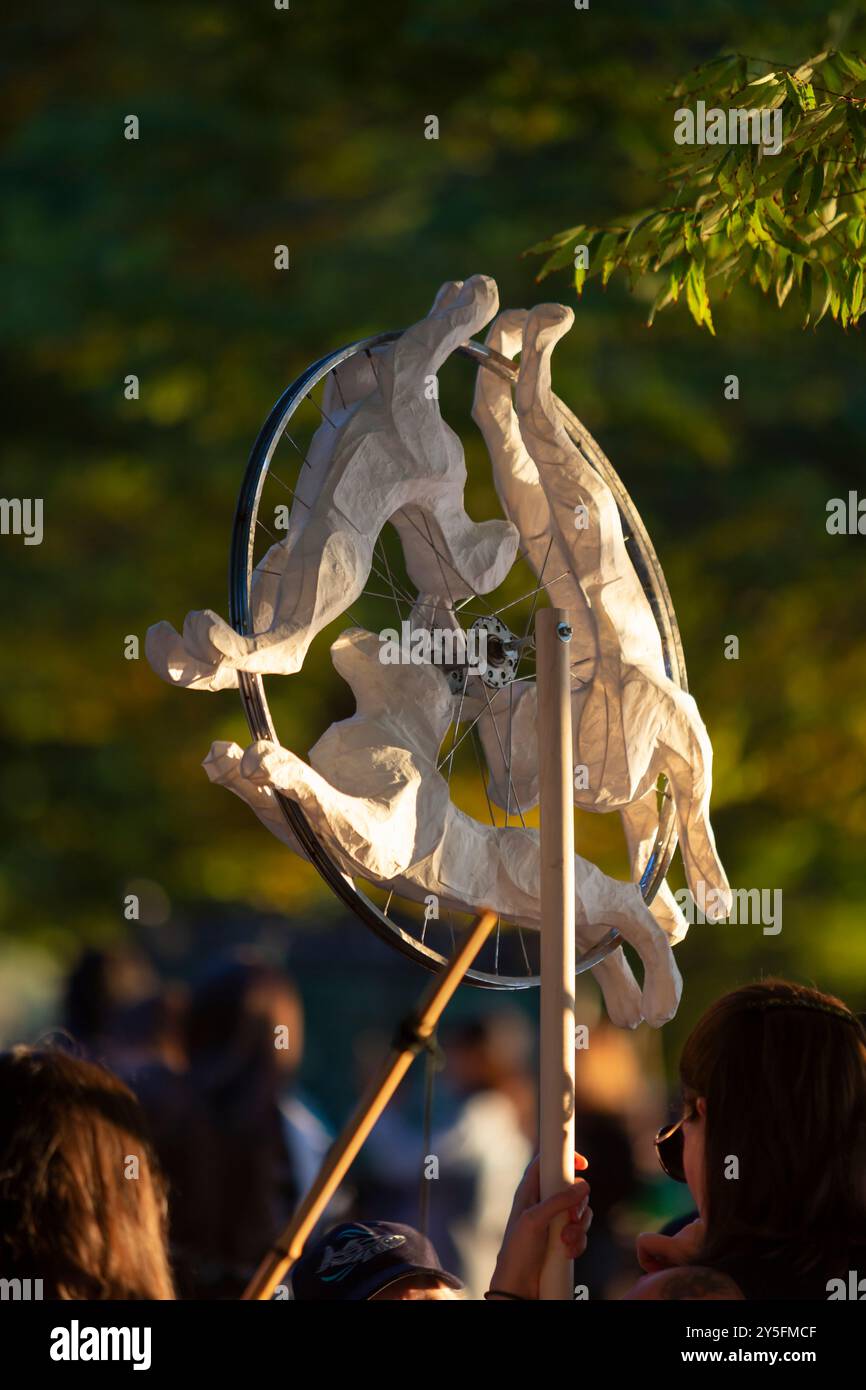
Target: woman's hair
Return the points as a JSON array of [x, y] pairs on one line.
[[783, 1071], [76, 1211]]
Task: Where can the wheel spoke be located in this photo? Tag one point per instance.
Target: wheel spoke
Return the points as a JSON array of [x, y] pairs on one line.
[[324, 416], [475, 742], [540, 581], [456, 726], [441, 558], [390, 579], [461, 739], [297, 448], [502, 751]]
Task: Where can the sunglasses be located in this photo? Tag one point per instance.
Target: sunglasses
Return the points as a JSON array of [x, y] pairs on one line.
[[669, 1147]]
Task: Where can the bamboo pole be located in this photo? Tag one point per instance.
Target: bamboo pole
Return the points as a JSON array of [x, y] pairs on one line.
[[414, 1034], [556, 803]]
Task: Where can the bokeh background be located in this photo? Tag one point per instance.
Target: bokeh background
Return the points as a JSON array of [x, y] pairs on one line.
[[156, 257]]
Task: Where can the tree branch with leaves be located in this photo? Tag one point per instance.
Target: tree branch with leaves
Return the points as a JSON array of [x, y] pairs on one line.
[[735, 212]]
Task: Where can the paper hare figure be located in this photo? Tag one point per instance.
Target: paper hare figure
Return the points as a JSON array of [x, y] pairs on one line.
[[383, 452], [631, 722], [374, 796]]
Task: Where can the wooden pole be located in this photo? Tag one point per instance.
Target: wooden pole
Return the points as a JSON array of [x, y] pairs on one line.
[[415, 1033], [556, 803]]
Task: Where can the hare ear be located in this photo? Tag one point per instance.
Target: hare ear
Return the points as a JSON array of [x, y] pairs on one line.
[[446, 295], [533, 398], [505, 334], [493, 412], [453, 320]]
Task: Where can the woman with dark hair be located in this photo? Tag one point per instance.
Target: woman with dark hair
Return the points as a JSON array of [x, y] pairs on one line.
[[772, 1144], [82, 1206]]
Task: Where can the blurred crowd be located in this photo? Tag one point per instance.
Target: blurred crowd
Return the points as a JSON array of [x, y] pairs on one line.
[[159, 1145], [218, 1070]]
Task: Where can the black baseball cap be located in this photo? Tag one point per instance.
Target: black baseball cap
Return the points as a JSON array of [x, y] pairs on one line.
[[358, 1259]]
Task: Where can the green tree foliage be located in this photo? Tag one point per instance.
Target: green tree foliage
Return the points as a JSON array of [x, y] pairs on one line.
[[794, 219]]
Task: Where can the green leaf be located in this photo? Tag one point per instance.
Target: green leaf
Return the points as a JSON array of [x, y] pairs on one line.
[[793, 184], [757, 229], [768, 77], [763, 270], [816, 188], [856, 123], [784, 280], [835, 296], [673, 248], [579, 279], [712, 220], [801, 93], [743, 175], [692, 235], [856, 293], [553, 243], [771, 210], [828, 294], [664, 297], [737, 230], [679, 269], [606, 255], [724, 177], [806, 69], [563, 257], [697, 297], [855, 66], [806, 292], [642, 224], [774, 182], [833, 75]]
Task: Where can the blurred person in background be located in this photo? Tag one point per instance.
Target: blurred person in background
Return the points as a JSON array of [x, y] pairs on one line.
[[485, 1148], [611, 1086], [118, 1011], [238, 1145], [389, 1170], [74, 1211]]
